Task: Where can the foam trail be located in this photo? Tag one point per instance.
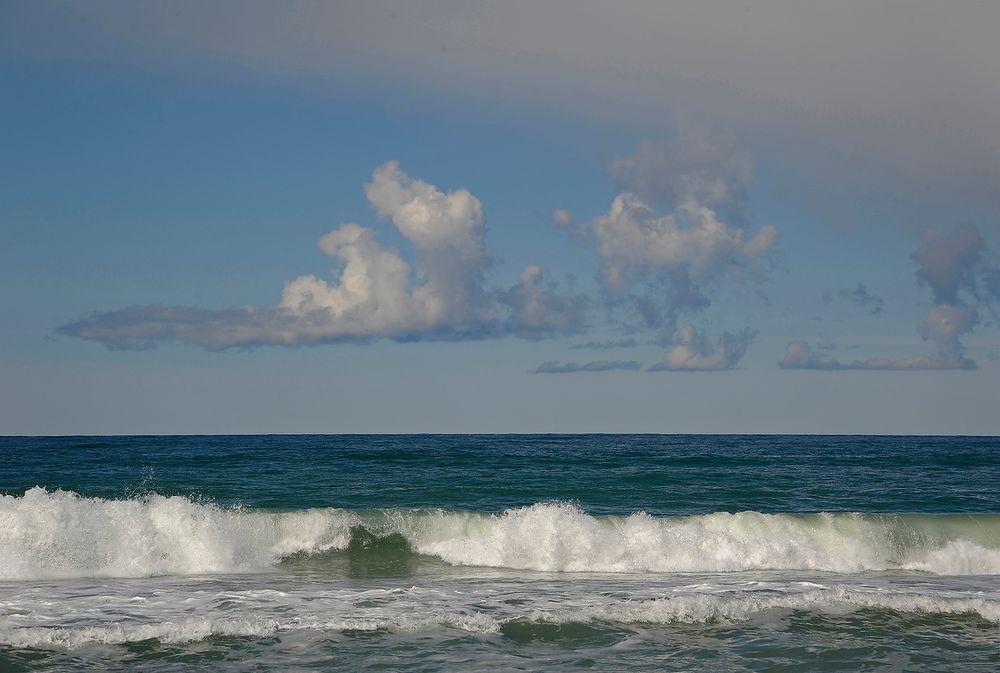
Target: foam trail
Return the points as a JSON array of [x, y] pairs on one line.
[[63, 535], [728, 607]]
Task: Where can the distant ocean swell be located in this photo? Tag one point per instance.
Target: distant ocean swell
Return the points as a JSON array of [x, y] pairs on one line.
[[59, 534]]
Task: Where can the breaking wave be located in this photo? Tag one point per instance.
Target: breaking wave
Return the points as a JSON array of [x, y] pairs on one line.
[[60, 534]]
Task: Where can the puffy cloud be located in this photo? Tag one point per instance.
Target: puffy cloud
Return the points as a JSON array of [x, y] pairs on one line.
[[672, 257], [862, 298], [376, 293], [801, 355], [556, 367], [692, 241], [372, 295], [944, 325], [447, 232], [692, 351], [538, 311]]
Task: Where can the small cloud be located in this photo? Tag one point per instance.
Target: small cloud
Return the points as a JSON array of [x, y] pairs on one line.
[[539, 311], [951, 264], [563, 219], [947, 262], [629, 342], [556, 367], [692, 351], [801, 355], [862, 298]]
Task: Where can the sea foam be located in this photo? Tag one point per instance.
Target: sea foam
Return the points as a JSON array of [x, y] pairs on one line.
[[60, 534]]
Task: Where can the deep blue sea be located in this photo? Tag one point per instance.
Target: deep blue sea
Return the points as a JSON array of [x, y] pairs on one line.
[[500, 552]]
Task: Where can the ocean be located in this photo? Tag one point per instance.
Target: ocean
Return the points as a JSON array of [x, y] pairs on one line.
[[500, 553]]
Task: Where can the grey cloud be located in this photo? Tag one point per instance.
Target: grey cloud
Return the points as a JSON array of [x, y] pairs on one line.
[[659, 264], [377, 293], [144, 327], [628, 342], [892, 71], [801, 355], [950, 264], [862, 298], [539, 312], [947, 262], [556, 367], [694, 167], [692, 351]]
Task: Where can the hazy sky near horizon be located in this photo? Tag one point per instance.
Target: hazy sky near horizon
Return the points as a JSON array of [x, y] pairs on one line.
[[235, 217]]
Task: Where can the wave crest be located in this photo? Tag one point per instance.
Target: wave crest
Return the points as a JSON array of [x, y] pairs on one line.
[[60, 534]]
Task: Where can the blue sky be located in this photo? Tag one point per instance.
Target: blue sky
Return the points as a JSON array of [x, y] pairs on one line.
[[816, 254]]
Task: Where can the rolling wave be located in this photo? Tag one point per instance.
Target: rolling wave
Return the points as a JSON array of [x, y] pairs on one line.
[[60, 534]]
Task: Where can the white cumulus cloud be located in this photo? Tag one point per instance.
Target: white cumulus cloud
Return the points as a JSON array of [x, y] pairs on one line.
[[376, 292]]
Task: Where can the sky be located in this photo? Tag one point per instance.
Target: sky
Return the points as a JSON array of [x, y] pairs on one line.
[[299, 217]]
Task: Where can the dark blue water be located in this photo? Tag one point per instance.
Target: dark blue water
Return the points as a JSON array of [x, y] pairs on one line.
[[606, 474]]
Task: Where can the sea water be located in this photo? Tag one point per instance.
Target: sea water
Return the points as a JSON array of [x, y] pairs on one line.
[[458, 553]]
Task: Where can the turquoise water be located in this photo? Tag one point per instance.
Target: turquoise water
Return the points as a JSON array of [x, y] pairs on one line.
[[606, 552]]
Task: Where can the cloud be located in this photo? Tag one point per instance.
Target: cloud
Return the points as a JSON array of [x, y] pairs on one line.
[[698, 167], [564, 220], [660, 264], [862, 298], [556, 367], [689, 243], [377, 294], [801, 355], [540, 312], [873, 81], [949, 264], [692, 351], [628, 342], [944, 325]]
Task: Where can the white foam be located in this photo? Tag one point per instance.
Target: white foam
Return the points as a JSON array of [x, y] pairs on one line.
[[60, 534], [561, 537], [465, 611], [63, 535], [703, 608]]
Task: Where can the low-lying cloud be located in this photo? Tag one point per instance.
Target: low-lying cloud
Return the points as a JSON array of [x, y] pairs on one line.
[[557, 367], [377, 293], [692, 351], [610, 344], [951, 264]]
